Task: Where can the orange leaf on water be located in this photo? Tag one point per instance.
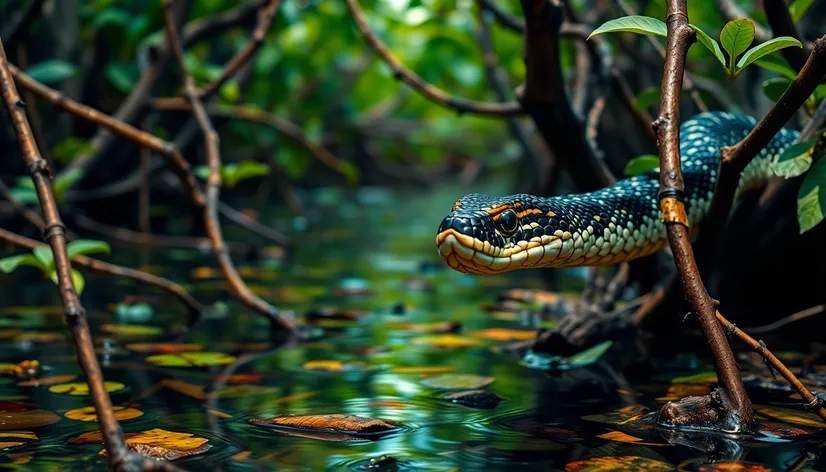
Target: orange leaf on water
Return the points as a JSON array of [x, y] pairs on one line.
[[502, 334], [163, 348], [337, 422], [445, 341], [619, 436], [636, 463], [88, 413]]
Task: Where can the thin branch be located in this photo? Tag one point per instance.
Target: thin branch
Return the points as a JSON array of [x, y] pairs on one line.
[[760, 348], [265, 17], [793, 318], [211, 143], [121, 128], [106, 268], [680, 37], [74, 314], [429, 91]]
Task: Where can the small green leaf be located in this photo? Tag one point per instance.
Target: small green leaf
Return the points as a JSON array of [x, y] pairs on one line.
[[111, 16], [646, 98], [642, 164], [51, 71], [8, 264], [122, 76], [775, 88], [24, 196], [633, 24], [589, 356], [710, 43], [62, 183], [68, 149], [80, 247], [230, 91], [736, 37], [349, 170], [765, 49], [77, 279], [810, 200], [247, 169], [202, 172], [776, 64], [795, 159], [798, 8], [43, 254]]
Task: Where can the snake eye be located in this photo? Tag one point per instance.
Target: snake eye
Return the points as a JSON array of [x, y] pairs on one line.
[[508, 222]]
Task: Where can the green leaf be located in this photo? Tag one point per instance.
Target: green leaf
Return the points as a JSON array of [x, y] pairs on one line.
[[589, 356], [62, 183], [24, 195], [642, 164], [122, 76], [795, 159], [765, 49], [8, 264], [646, 98], [349, 170], [43, 254], [111, 16], [77, 279], [51, 71], [736, 37], [775, 88], [68, 149], [633, 24], [810, 200], [710, 43], [798, 8], [80, 247], [243, 170], [230, 91], [202, 172], [776, 64]]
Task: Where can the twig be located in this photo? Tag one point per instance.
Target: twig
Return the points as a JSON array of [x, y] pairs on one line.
[[427, 90], [31, 110], [75, 316], [502, 17], [106, 268], [793, 318], [121, 128], [760, 348], [265, 17], [733, 159], [211, 142], [680, 37], [780, 21], [545, 99]]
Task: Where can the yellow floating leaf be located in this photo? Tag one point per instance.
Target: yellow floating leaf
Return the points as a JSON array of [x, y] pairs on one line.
[[324, 365], [19, 434], [619, 436], [20, 458], [6, 368], [6, 445], [9, 333], [243, 455], [88, 413], [163, 348], [205, 273], [424, 370], [191, 359], [82, 388], [636, 463], [440, 327], [131, 330], [445, 341], [162, 444], [54, 379], [791, 416], [501, 334]]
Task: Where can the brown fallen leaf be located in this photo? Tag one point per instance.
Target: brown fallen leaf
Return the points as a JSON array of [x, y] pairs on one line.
[[157, 443], [619, 436], [733, 467], [336, 422], [636, 463], [163, 453]]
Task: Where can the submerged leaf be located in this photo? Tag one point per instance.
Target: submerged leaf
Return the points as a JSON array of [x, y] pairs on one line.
[[582, 359], [707, 377], [458, 381]]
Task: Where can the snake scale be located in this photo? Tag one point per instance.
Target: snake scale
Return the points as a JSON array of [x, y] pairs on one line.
[[486, 235]]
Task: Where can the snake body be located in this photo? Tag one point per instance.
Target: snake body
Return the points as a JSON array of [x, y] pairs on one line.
[[485, 235]]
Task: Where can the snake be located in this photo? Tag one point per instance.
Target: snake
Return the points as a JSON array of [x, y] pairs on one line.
[[486, 234]]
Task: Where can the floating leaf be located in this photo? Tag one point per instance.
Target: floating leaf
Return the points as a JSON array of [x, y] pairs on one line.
[[458, 381], [191, 359], [482, 399], [445, 341], [423, 370], [55, 379], [501, 334], [51, 71], [619, 436], [710, 43], [633, 24], [20, 415], [336, 422], [621, 416], [765, 49], [82, 388], [439, 327], [736, 37], [131, 330], [642, 164], [791, 416], [18, 434], [636, 463], [163, 348], [88, 413], [166, 445]]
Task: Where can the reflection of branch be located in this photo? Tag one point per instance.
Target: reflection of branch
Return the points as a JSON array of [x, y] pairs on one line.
[[106, 268], [211, 140], [265, 16], [760, 348], [427, 90], [73, 312], [680, 37]]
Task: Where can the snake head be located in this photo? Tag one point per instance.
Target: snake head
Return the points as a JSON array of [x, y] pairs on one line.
[[488, 235]]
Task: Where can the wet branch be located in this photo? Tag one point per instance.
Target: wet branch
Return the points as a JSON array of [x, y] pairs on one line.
[[211, 142], [74, 314], [680, 37], [193, 305], [429, 91]]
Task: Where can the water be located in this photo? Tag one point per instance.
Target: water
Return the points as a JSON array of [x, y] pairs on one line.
[[368, 253]]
